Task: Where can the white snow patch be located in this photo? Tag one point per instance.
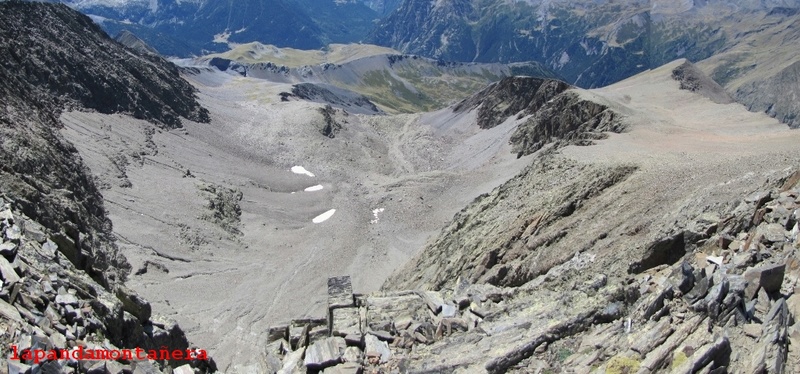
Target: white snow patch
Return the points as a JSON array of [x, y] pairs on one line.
[[314, 188], [375, 214], [324, 216], [301, 170]]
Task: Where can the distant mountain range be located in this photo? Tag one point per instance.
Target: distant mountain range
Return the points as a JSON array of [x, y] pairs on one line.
[[194, 27], [590, 43]]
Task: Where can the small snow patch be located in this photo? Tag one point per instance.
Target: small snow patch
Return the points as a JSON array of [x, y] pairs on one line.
[[375, 214], [314, 188], [301, 170], [324, 216]]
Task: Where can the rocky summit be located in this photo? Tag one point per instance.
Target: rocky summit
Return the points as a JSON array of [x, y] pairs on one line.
[[361, 209]]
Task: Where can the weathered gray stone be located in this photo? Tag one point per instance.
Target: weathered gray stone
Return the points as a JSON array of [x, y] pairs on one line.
[[376, 349], [354, 340], [97, 367], [657, 357], [654, 302], [16, 367], [50, 247], [705, 355], [770, 353], [449, 310], [13, 233], [352, 354], [715, 297], [752, 330], [346, 321], [278, 332], [8, 249], [325, 353], [7, 272], [317, 333], [382, 311], [652, 336], [434, 301], [340, 292], [683, 277], [292, 362], [768, 277], [36, 234], [382, 335], [66, 299], [114, 367], [772, 232], [345, 368], [8, 311], [298, 333], [59, 340], [134, 304]]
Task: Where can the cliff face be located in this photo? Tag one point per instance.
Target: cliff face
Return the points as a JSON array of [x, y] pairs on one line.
[[776, 96]]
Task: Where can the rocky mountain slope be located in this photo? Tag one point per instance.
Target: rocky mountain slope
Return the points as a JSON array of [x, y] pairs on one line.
[[58, 248], [146, 86], [670, 245]]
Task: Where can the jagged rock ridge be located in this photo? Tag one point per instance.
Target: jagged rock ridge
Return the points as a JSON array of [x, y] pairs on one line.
[[79, 73], [132, 41], [498, 101]]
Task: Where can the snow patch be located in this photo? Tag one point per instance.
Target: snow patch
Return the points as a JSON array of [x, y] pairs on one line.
[[324, 216], [314, 188], [301, 170], [375, 214]]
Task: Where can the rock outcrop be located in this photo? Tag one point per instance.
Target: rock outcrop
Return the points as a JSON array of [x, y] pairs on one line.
[[776, 96], [133, 42], [511, 96]]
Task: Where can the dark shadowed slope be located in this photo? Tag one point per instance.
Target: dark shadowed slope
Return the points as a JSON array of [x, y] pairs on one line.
[[68, 57]]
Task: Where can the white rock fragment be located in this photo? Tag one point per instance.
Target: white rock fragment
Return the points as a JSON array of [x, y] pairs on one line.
[[324, 216], [715, 260], [301, 170]]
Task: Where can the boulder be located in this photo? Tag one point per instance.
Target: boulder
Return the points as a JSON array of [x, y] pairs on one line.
[[376, 350], [340, 292], [325, 353], [183, 369], [7, 272], [345, 368], [345, 321], [292, 362], [134, 304], [768, 277]]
